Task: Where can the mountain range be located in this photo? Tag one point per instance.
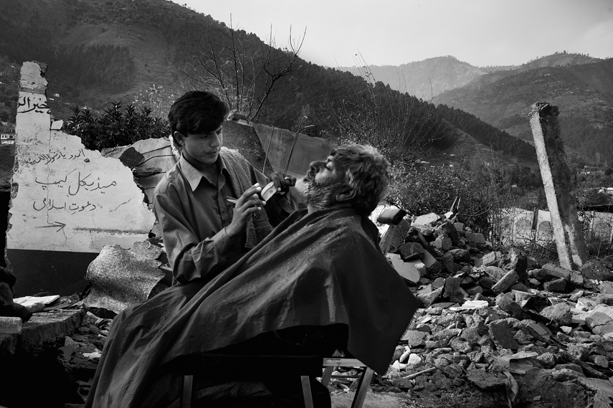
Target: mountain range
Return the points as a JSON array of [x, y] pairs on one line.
[[137, 51], [580, 85]]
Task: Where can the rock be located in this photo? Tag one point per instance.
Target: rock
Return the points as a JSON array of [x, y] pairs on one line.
[[42, 328], [557, 285], [576, 279], [438, 283], [419, 266], [600, 361], [460, 255], [518, 263], [405, 269], [606, 288], [564, 374], [520, 287], [425, 219], [411, 250], [505, 282], [486, 381], [445, 334], [495, 272], [553, 271], [460, 345], [487, 282], [473, 334], [448, 264], [604, 330], [452, 290], [414, 359], [473, 290], [578, 351], [415, 338], [597, 319], [427, 296], [506, 303], [547, 359], [559, 313], [476, 238], [491, 258], [596, 270], [502, 335]]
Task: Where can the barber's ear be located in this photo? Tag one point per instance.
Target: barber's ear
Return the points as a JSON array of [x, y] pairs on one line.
[[178, 136], [346, 195]]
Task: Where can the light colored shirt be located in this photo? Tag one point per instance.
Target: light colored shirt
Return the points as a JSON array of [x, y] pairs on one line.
[[193, 212]]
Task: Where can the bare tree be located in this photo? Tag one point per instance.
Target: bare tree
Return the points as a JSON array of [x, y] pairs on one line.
[[240, 68], [393, 122]]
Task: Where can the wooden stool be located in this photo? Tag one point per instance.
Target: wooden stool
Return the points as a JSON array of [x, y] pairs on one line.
[[365, 376], [249, 367]]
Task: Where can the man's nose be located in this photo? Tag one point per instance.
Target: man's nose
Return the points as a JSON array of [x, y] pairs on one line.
[[215, 140], [314, 166]]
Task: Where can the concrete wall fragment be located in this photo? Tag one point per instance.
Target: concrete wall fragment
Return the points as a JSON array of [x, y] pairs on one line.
[[277, 144], [67, 201]]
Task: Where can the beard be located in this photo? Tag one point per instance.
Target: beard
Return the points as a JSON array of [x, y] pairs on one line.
[[319, 195]]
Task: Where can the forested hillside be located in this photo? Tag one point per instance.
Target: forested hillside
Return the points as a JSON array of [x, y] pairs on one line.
[[583, 92], [103, 51]]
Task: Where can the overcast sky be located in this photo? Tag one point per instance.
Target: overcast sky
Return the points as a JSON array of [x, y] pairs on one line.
[[394, 32]]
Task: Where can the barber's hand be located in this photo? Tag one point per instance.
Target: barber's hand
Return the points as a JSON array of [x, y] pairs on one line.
[[282, 181], [247, 205]]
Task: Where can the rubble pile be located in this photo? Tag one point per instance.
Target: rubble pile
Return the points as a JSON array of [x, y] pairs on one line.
[[502, 322]]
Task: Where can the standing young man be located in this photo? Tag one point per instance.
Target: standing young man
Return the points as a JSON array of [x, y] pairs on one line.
[[208, 205]]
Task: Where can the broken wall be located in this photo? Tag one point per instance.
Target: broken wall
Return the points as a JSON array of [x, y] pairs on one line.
[[67, 202], [518, 226], [277, 144]]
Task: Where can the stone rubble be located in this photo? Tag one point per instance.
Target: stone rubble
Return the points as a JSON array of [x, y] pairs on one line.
[[498, 324], [502, 322]]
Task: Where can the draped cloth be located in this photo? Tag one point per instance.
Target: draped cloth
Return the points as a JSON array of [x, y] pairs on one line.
[[318, 269]]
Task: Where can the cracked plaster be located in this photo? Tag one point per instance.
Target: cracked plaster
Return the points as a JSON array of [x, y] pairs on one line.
[[66, 197]]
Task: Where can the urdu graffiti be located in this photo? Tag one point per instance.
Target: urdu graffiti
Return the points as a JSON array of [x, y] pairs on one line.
[[73, 184], [52, 157], [31, 102]]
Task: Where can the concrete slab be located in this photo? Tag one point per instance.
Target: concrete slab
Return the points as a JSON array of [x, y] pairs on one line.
[[42, 328], [122, 277]]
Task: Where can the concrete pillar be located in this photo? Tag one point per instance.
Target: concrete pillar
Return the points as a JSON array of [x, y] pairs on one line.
[[557, 180]]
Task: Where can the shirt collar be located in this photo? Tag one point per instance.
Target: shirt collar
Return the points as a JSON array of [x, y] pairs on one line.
[[194, 176]]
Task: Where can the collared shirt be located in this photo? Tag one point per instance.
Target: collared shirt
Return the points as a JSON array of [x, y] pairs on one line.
[[193, 212]]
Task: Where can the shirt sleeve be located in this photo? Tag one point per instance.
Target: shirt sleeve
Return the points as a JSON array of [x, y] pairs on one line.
[[189, 257]]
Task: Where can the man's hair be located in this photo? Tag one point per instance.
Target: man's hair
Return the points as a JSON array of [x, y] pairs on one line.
[[197, 112], [366, 171]]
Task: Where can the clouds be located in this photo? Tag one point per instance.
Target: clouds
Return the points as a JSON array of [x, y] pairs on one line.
[[394, 32]]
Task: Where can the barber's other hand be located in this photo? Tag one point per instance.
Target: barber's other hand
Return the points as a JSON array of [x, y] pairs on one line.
[[247, 205], [282, 181]]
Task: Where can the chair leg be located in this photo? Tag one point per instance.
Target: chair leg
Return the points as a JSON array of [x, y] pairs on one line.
[[306, 391], [186, 401], [325, 378], [363, 384]]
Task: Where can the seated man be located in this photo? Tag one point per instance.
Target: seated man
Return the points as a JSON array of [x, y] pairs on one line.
[[317, 281]]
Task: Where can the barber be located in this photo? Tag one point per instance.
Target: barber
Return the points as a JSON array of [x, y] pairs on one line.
[[209, 205]]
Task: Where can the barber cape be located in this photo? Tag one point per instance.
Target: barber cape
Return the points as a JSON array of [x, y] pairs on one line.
[[320, 268]]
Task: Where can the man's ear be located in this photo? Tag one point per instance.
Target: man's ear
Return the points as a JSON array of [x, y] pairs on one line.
[[178, 137], [346, 194]]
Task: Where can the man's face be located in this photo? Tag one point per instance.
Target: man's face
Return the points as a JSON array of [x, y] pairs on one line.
[[202, 149], [321, 183]]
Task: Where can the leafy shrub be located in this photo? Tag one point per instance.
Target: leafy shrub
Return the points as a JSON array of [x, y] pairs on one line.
[[116, 126]]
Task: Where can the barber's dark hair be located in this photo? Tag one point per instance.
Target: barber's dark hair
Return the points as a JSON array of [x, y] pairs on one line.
[[366, 171], [197, 112]]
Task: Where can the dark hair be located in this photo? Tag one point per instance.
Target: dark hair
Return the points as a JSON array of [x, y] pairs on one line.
[[366, 171], [197, 112]]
